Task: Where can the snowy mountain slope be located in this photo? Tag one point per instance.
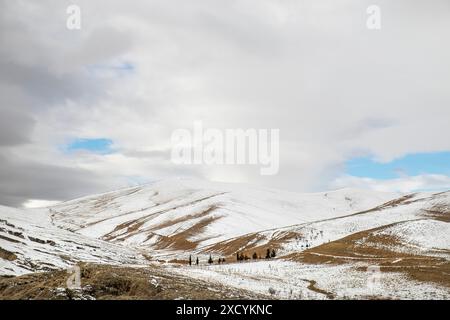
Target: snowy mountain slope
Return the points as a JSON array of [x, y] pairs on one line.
[[405, 242], [296, 238], [183, 214], [325, 241], [425, 237], [30, 242]]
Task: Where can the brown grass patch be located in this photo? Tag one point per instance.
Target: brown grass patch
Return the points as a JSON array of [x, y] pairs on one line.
[[179, 241], [132, 227], [439, 212], [111, 283], [183, 219], [248, 245], [7, 255], [230, 247], [375, 249]]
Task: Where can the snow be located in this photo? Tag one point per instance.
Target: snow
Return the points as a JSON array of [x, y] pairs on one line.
[[133, 220], [290, 280], [327, 230], [235, 210], [426, 234], [39, 245]]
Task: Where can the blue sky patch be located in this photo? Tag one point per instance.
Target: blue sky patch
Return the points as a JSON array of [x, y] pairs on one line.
[[410, 165], [100, 146], [119, 69]]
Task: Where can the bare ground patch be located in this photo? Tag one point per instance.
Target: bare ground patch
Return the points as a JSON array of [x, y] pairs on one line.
[[111, 283], [180, 241], [374, 249], [7, 255], [248, 245], [438, 212]]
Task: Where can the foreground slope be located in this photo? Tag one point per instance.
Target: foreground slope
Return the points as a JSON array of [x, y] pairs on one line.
[[29, 242], [118, 282]]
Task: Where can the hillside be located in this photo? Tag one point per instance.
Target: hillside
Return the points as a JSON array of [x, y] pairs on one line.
[[291, 239], [29, 242], [326, 243], [184, 214]]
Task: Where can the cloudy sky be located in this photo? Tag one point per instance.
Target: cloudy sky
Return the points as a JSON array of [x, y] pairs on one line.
[[90, 110]]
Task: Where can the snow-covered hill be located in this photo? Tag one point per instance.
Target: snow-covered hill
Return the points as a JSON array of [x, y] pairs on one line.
[[183, 214], [325, 241], [29, 242], [433, 208]]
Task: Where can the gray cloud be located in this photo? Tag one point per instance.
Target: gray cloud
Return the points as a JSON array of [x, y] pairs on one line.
[[15, 127], [310, 68], [39, 74], [20, 181], [47, 88]]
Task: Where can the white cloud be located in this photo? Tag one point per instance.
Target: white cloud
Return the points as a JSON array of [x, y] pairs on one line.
[[310, 68], [426, 182], [39, 203]]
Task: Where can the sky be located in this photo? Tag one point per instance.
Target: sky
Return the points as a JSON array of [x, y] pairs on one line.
[[90, 110]]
